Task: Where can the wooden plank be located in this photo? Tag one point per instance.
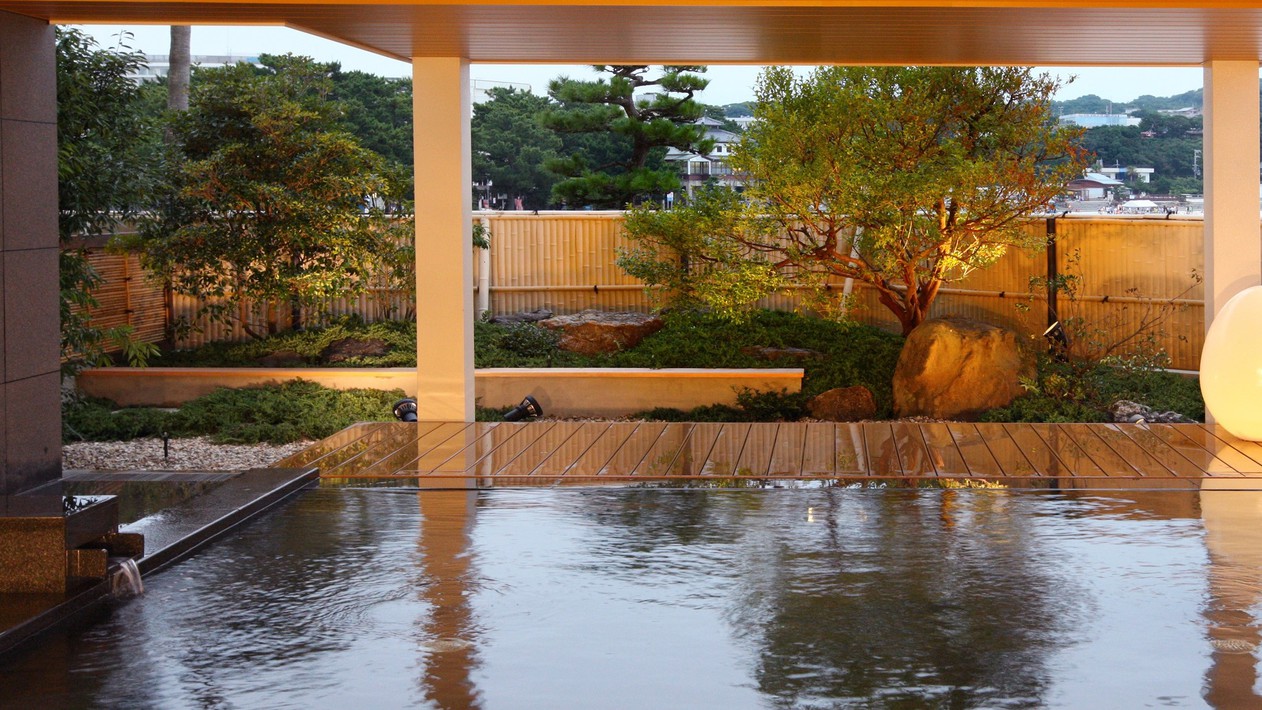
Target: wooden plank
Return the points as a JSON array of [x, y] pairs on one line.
[[1252, 449], [1076, 461], [482, 438], [1156, 447], [1204, 449], [392, 439], [946, 456], [594, 459], [533, 456], [1007, 453], [1094, 447], [726, 450], [1132, 453], [755, 457], [327, 445], [981, 462], [666, 451], [912, 452], [507, 442], [882, 450], [787, 453], [556, 465], [461, 449], [632, 452], [403, 460], [1036, 451], [819, 449], [696, 450], [852, 450]]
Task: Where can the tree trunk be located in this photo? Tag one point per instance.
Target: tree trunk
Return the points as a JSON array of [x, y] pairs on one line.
[[181, 67]]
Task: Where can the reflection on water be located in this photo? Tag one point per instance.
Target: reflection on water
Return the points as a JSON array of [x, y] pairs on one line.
[[633, 598]]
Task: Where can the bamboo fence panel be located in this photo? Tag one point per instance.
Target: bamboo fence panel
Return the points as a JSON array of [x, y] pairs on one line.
[[566, 262], [126, 297]]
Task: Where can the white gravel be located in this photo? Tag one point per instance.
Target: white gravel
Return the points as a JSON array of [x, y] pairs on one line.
[[193, 454]]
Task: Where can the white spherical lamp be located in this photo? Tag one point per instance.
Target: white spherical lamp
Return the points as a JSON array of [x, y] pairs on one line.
[[1231, 365]]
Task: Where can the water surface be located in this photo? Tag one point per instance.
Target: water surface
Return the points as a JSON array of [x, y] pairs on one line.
[[633, 598]]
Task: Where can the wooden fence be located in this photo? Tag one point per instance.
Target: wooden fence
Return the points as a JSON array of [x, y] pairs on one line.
[[565, 262]]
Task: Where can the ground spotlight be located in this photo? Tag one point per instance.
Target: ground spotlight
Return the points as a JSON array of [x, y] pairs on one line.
[[405, 410], [529, 407]]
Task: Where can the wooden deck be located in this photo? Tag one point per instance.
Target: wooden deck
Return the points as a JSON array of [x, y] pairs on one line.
[[444, 454]]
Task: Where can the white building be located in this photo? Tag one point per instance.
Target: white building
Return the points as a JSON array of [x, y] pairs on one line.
[[1096, 120], [158, 66], [696, 170]]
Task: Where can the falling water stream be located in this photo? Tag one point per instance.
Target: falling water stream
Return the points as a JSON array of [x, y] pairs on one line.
[[125, 581]]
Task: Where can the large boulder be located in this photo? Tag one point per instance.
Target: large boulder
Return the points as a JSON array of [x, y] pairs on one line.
[[352, 348], [957, 368], [595, 332], [843, 404]]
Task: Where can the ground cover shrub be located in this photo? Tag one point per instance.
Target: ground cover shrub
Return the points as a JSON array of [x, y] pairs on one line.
[[1069, 392], [275, 414], [400, 337], [751, 406]]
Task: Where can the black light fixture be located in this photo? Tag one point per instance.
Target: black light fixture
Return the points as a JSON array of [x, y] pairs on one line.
[[405, 410], [529, 407], [1057, 341]]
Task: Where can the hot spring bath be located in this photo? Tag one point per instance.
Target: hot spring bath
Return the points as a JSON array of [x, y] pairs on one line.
[[657, 598]]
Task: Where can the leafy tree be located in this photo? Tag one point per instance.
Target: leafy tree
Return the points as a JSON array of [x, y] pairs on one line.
[[274, 202], [511, 146], [644, 126], [106, 153], [378, 111], [904, 178]]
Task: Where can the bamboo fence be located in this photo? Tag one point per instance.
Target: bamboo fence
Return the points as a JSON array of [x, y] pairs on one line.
[[566, 262]]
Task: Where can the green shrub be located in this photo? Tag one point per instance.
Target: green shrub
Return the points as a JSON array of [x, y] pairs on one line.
[[281, 413], [400, 336], [277, 414], [89, 419], [529, 340]]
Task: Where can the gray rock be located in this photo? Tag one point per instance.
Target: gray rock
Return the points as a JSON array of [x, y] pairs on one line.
[[523, 317]]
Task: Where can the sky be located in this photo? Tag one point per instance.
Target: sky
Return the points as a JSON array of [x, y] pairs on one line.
[[728, 84]]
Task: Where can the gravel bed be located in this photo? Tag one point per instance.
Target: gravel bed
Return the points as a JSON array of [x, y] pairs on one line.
[[191, 454]]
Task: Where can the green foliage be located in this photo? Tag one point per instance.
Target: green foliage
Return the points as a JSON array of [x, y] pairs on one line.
[[106, 156], [276, 414], [306, 345], [90, 419], [751, 406], [1061, 392], [849, 354], [690, 257], [511, 146], [1170, 153], [906, 178], [529, 340], [378, 111], [642, 128], [271, 202]]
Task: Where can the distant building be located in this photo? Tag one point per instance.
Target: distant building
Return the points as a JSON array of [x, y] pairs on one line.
[[696, 170], [1093, 186], [482, 87], [1096, 120], [1125, 174], [158, 66]]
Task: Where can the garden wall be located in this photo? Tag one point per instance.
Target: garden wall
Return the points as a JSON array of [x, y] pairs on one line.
[[565, 261]]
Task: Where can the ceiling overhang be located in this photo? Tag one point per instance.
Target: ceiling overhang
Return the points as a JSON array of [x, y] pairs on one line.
[[786, 32]]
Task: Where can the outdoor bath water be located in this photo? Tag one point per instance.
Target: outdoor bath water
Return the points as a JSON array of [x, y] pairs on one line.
[[686, 598]]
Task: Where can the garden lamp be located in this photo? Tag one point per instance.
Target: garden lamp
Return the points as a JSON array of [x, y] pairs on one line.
[[529, 407], [405, 410]]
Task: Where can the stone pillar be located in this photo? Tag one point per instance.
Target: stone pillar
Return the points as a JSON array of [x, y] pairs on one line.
[[1233, 231], [30, 414], [444, 236]]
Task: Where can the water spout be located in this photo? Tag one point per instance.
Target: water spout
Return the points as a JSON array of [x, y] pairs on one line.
[[125, 579]]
